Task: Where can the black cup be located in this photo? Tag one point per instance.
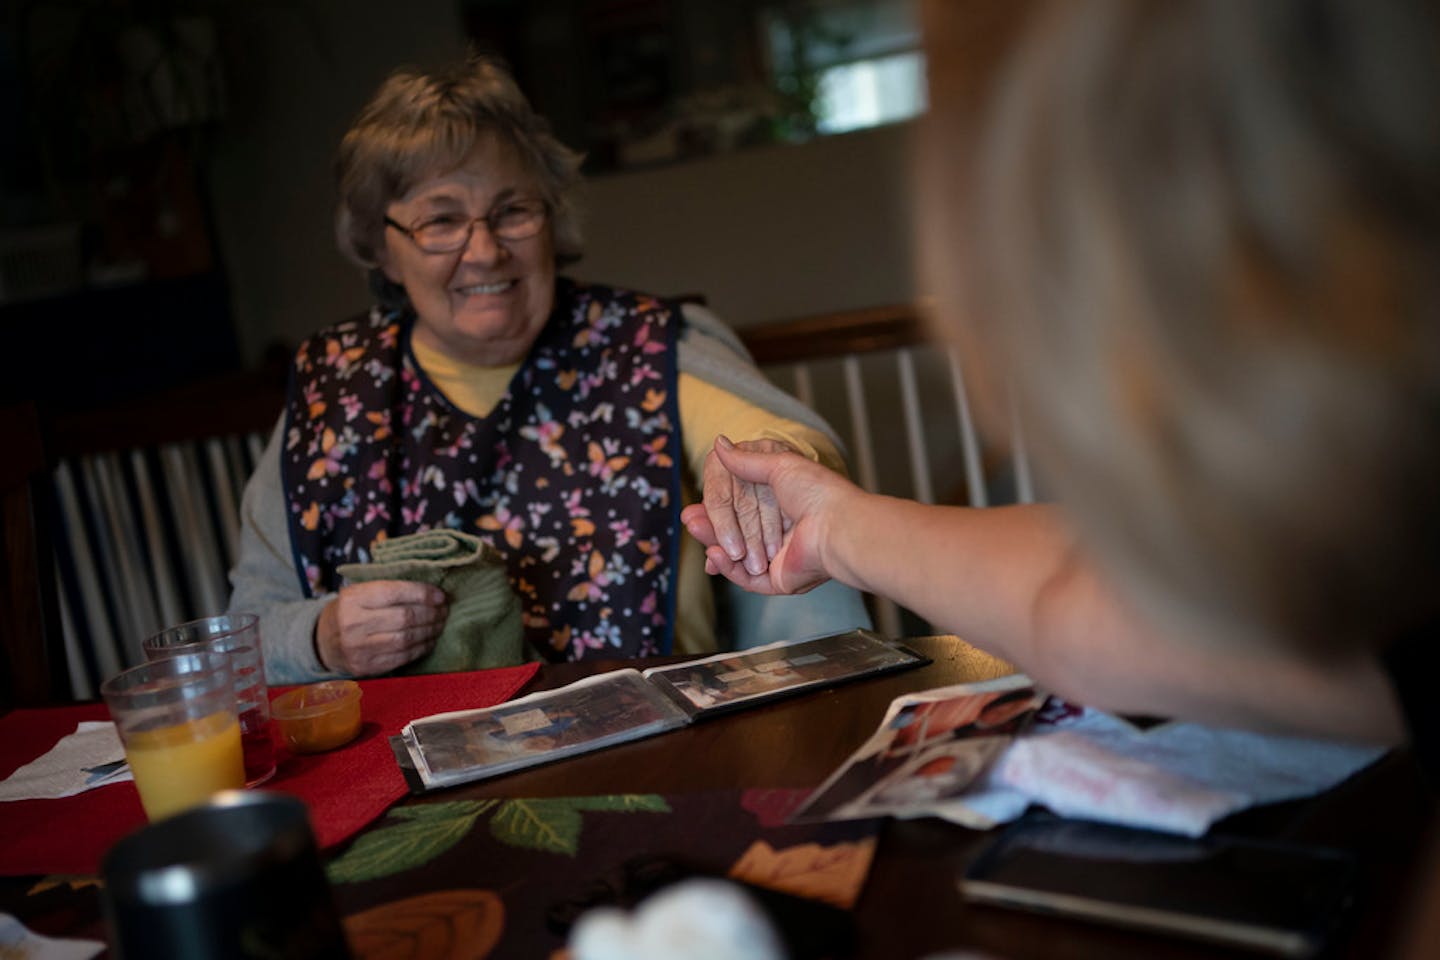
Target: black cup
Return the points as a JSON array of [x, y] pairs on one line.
[[235, 879]]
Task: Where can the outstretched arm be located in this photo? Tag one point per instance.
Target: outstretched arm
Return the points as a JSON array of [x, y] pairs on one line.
[[1014, 582]]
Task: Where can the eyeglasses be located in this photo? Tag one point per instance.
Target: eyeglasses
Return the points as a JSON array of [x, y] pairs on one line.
[[448, 232]]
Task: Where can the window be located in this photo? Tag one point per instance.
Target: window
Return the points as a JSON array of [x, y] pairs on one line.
[[635, 83], [871, 92], [845, 64]]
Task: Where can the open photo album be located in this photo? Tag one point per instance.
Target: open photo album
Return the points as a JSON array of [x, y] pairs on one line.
[[622, 705]]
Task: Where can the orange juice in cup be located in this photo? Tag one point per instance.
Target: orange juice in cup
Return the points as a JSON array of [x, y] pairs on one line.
[[183, 764], [177, 720]]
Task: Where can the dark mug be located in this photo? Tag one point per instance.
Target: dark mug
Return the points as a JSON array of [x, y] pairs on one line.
[[235, 879]]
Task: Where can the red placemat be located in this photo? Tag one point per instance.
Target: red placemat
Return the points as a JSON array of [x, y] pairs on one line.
[[344, 789]]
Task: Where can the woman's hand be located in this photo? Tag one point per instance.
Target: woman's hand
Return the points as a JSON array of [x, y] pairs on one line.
[[374, 627], [804, 500], [744, 516]]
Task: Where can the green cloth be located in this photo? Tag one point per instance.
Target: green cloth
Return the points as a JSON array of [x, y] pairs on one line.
[[483, 628]]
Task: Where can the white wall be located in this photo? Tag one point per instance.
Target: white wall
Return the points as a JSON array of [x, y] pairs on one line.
[[765, 233]]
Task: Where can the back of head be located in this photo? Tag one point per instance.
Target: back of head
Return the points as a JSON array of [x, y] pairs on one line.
[[419, 125], [1206, 239]]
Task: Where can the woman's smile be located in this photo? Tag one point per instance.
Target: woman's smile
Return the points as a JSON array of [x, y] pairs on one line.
[[487, 289]]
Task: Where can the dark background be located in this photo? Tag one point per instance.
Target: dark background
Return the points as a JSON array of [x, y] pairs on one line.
[[127, 128]]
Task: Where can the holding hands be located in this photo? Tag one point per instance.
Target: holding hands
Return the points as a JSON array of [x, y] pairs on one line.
[[767, 516]]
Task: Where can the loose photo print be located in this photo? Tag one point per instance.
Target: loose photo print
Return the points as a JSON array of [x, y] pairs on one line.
[[731, 679], [930, 747], [473, 744]]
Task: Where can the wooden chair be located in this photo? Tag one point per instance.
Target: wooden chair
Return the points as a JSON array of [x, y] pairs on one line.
[[866, 370], [29, 618]]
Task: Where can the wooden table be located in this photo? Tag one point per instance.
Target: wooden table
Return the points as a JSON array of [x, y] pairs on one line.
[[910, 906]]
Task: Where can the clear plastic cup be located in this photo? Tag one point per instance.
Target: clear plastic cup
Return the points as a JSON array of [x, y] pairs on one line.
[[238, 637], [178, 722]]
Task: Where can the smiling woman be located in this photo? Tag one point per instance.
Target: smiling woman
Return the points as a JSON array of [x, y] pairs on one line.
[[481, 297], [563, 423]]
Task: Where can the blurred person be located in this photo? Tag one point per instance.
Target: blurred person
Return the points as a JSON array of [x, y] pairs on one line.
[[564, 423], [1199, 244]]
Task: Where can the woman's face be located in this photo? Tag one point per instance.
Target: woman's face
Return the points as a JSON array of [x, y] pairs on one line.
[[486, 302]]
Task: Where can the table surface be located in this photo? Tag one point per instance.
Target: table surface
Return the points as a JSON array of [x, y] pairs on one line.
[[910, 906]]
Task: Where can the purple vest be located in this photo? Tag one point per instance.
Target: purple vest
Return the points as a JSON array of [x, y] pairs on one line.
[[573, 476]]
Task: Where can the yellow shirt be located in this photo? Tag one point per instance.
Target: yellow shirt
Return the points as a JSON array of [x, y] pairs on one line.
[[705, 411]]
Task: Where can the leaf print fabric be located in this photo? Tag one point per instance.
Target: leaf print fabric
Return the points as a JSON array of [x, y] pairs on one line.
[[832, 874], [445, 925], [422, 875], [572, 477], [412, 836]]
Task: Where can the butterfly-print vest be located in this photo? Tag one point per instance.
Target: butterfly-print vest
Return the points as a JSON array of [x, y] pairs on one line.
[[573, 476]]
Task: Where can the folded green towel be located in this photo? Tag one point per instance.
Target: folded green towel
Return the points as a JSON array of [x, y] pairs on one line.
[[483, 628]]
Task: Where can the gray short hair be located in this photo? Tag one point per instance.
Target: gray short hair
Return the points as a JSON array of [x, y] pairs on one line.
[[418, 125]]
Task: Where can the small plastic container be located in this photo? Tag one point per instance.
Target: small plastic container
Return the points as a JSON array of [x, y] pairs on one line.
[[318, 716]]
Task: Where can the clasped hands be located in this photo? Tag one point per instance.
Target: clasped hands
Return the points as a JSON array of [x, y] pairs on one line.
[[767, 516]]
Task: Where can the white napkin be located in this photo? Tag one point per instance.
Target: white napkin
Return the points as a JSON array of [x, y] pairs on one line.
[[22, 944], [88, 758], [1177, 777], [700, 919]]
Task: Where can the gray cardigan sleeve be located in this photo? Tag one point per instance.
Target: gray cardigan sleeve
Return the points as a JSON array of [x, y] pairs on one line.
[[264, 580], [710, 350]]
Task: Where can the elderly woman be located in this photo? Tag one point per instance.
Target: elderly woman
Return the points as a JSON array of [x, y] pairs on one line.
[[1200, 239], [564, 423]]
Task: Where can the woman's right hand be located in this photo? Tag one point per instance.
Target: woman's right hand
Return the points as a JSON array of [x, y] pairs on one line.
[[372, 628]]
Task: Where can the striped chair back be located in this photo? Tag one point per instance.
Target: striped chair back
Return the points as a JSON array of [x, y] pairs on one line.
[[143, 539], [143, 517]]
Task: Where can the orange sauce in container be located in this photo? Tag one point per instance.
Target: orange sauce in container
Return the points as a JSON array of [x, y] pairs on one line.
[[318, 716]]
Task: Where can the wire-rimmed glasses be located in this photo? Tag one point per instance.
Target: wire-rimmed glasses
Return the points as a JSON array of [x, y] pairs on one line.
[[448, 232]]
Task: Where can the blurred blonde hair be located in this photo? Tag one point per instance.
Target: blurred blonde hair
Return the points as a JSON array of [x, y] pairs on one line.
[[420, 125], [1203, 239]]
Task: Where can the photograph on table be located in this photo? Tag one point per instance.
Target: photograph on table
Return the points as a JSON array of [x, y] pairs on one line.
[[930, 747], [920, 724]]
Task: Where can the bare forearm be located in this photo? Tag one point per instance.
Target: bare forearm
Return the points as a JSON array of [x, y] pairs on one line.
[[1090, 645], [1013, 582], [976, 573], [1261, 690]]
